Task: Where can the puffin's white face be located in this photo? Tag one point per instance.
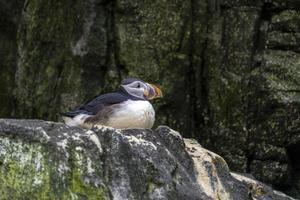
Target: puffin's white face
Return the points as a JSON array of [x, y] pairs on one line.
[[142, 90]]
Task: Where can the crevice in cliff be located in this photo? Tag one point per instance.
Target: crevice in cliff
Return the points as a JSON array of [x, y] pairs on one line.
[[281, 47], [252, 88], [197, 71], [57, 81], [190, 74], [116, 40], [9, 48], [224, 42], [204, 74], [108, 48], [293, 156]]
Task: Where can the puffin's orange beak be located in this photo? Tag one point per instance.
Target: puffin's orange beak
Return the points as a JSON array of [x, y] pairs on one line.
[[153, 92], [158, 92]]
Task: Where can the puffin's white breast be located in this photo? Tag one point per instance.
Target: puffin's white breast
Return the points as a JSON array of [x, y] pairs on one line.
[[132, 114]]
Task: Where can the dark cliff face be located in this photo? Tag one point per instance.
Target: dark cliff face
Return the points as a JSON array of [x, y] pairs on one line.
[[47, 160], [229, 69]]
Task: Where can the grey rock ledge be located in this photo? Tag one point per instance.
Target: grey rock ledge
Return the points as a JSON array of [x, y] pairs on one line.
[[47, 160]]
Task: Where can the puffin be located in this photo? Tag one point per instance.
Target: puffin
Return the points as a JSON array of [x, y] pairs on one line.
[[128, 107]]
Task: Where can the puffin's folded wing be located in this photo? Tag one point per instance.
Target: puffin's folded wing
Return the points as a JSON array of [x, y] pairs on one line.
[[75, 112], [98, 104]]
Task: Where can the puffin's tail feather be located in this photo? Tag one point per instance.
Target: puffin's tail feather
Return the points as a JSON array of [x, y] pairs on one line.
[[75, 117]]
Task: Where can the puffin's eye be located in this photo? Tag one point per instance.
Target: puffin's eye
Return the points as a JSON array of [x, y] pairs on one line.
[[138, 86]]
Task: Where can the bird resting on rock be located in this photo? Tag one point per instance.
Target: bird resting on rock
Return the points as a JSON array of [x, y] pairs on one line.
[[128, 107]]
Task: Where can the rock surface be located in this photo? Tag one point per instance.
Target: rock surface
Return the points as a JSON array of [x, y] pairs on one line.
[[47, 160]]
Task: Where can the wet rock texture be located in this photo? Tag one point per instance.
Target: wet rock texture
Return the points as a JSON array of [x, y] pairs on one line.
[[47, 160], [229, 69]]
